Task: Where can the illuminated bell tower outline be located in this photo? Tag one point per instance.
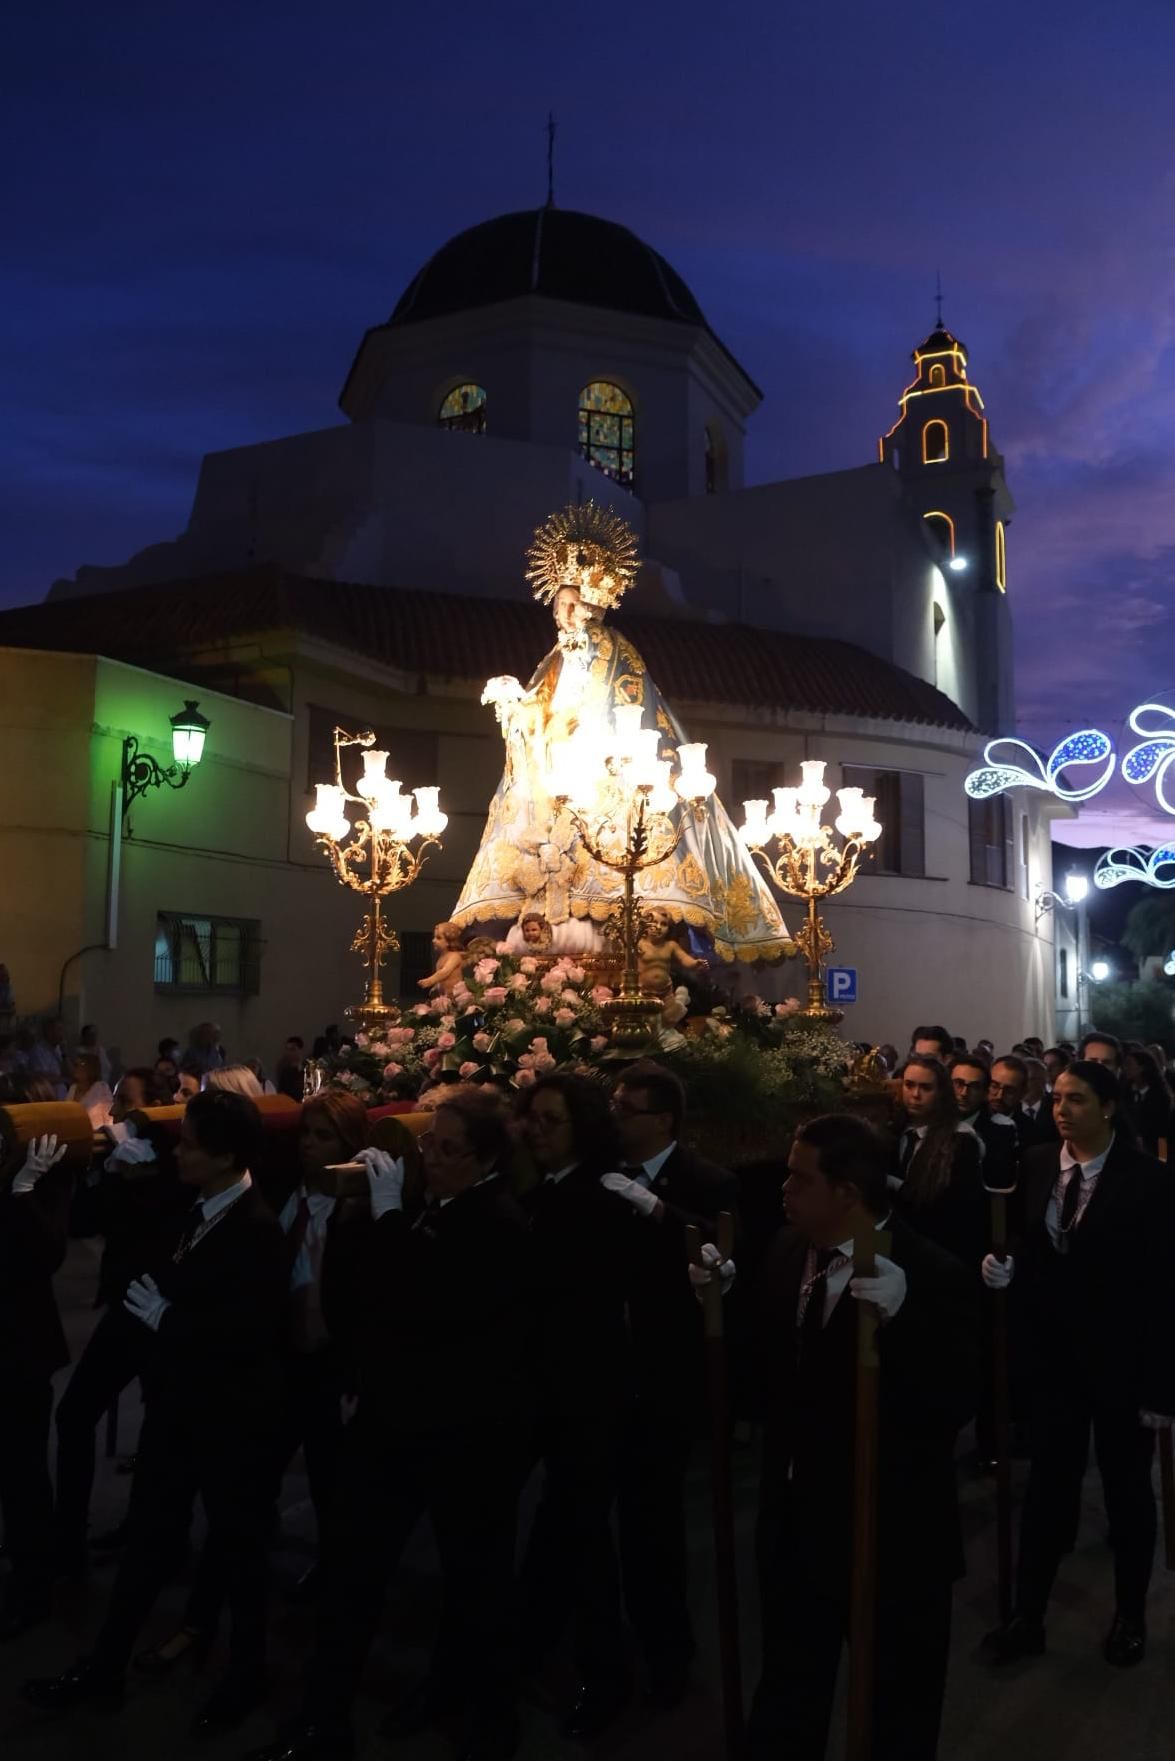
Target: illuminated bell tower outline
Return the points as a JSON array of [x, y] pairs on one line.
[[953, 477]]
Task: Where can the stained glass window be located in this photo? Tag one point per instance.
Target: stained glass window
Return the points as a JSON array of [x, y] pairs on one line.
[[606, 430], [465, 409]]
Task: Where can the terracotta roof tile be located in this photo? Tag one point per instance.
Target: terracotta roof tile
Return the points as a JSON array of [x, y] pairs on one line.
[[458, 636]]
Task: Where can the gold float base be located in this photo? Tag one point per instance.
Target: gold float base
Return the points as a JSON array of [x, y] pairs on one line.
[[369, 1018], [631, 1022]]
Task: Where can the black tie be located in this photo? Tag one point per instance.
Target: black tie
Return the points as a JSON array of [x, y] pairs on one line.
[[909, 1150], [1070, 1199], [813, 1321], [192, 1222], [633, 1170]]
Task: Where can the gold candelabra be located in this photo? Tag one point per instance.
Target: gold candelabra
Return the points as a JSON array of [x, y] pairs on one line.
[[626, 806], [375, 855], [810, 865]]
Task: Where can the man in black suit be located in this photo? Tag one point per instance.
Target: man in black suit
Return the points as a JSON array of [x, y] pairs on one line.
[[927, 1342], [970, 1075], [666, 1187], [1021, 1092], [215, 1310], [32, 1347]]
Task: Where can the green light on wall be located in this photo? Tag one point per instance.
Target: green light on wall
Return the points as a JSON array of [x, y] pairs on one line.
[[140, 772]]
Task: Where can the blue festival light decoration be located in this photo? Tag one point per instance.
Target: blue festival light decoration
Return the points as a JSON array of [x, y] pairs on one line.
[[1088, 746], [1152, 757], [1116, 866]]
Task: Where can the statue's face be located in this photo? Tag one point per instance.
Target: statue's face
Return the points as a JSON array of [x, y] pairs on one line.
[[572, 613], [658, 926], [532, 931]]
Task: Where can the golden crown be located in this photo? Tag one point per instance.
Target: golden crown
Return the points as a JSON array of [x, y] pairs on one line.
[[587, 547]]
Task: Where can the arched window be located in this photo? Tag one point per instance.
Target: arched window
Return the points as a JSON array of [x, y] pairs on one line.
[[606, 435], [1001, 557], [936, 443], [943, 528], [938, 374], [716, 478], [464, 408]]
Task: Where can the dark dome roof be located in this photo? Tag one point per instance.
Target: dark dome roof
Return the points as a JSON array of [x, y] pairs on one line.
[[554, 252], [939, 342]]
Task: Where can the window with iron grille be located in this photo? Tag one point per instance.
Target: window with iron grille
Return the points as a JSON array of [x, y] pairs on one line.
[[218, 956]]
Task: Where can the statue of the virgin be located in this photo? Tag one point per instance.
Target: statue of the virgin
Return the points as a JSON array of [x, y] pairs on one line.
[[530, 861]]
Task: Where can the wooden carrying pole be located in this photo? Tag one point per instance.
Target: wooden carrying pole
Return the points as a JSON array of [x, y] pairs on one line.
[[868, 1242], [1000, 1406], [721, 1490]]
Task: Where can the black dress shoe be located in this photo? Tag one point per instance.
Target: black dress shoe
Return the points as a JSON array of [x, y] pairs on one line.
[[596, 1706], [307, 1742], [1021, 1637], [87, 1683], [21, 1613], [495, 1740], [425, 1705], [228, 1706], [1125, 1643]]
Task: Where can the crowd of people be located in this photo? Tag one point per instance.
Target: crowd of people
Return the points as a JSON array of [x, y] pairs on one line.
[[512, 1293]]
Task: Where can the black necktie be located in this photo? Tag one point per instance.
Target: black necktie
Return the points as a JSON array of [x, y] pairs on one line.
[[633, 1170], [909, 1150], [813, 1321], [1070, 1199]]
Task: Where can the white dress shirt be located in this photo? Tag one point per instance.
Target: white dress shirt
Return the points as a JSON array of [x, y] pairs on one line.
[[307, 1266], [649, 1170], [1089, 1178], [210, 1208], [561, 1174], [837, 1278]]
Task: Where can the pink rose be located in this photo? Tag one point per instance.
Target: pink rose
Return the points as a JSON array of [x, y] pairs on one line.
[[446, 1042], [570, 996], [485, 969], [496, 994], [530, 964], [538, 1045], [431, 1056], [501, 947], [360, 1039], [526, 1061], [393, 1070], [575, 975], [482, 1042], [599, 1041], [523, 1078], [564, 1017], [468, 1069], [544, 1061], [516, 1025], [552, 981], [601, 993], [518, 983], [448, 1021], [543, 1005], [420, 1009], [439, 1006]]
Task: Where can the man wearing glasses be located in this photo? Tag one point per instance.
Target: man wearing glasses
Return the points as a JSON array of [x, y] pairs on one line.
[[666, 1187]]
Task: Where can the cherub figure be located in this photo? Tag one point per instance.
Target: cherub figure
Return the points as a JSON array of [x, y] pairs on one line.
[[658, 954], [446, 941], [530, 935]]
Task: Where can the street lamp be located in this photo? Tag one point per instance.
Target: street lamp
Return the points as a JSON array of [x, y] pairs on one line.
[[1075, 899], [810, 864], [140, 771], [1099, 971], [374, 857], [628, 810]]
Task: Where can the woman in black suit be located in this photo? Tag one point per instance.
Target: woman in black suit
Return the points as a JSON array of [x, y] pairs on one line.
[[1093, 1278], [937, 1179]]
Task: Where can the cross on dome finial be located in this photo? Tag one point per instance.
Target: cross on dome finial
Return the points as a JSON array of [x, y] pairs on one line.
[[938, 298]]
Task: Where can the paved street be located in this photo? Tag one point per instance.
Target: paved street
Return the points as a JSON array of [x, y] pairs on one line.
[[1070, 1703]]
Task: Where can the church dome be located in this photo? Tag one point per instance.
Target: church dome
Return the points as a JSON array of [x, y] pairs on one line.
[[553, 252], [940, 342]]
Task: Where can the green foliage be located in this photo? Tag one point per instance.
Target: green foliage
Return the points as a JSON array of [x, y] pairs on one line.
[[1150, 926], [1136, 1011]]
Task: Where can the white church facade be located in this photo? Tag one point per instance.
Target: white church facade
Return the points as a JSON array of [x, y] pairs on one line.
[[374, 570]]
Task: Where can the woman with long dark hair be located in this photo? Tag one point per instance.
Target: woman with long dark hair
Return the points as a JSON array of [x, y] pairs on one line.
[[1093, 1277], [581, 1239], [937, 1179]]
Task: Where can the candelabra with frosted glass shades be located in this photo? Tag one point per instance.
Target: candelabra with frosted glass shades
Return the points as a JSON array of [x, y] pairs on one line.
[[811, 864], [381, 853], [627, 806]]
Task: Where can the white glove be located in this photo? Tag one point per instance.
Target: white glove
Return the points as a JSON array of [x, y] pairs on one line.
[[886, 1290], [638, 1196], [43, 1153], [1155, 1421], [144, 1302], [385, 1177], [700, 1276], [132, 1152], [996, 1274]]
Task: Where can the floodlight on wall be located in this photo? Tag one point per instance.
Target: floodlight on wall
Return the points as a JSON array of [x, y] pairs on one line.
[[1099, 971], [140, 771], [958, 564]]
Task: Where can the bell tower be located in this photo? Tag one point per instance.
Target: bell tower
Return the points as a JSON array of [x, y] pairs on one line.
[[953, 478]]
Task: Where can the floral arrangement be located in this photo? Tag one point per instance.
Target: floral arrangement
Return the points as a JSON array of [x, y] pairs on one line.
[[518, 1017]]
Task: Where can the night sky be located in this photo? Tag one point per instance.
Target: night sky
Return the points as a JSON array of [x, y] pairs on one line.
[[207, 205]]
